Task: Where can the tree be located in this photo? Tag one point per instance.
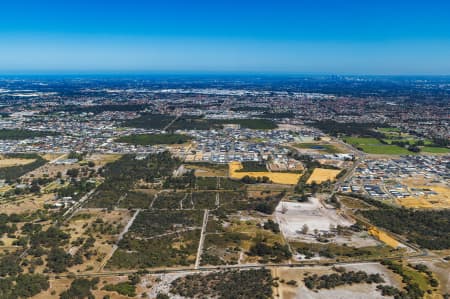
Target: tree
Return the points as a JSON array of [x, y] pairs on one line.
[[35, 188], [305, 229], [73, 172]]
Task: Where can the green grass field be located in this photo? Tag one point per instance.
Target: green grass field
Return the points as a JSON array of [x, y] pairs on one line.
[[389, 129], [374, 146], [153, 139], [435, 150]]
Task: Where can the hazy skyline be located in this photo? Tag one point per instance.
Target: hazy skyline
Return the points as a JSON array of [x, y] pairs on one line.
[[342, 37]]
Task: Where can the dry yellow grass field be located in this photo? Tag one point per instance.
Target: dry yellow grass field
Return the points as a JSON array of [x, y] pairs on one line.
[[440, 200], [8, 162], [78, 227], [275, 177], [28, 203], [102, 159], [383, 237], [204, 171], [320, 175]]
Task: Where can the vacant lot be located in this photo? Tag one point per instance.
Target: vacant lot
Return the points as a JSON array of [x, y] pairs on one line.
[[104, 226], [321, 175], [25, 204], [275, 177], [208, 170], [426, 196], [8, 162], [319, 147], [292, 216], [359, 291], [384, 237]]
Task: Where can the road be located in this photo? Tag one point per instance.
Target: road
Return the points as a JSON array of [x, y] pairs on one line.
[[171, 123], [78, 204], [301, 264], [119, 238], [202, 240]]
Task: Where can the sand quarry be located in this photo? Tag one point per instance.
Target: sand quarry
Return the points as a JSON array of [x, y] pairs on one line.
[[312, 213], [275, 177]]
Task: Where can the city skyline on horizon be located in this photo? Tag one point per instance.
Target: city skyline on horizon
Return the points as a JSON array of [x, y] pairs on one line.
[[291, 37]]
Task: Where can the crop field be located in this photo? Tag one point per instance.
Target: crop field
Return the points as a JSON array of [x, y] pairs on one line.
[[321, 175], [275, 177]]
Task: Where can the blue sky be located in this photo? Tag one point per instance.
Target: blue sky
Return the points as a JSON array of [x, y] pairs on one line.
[[303, 36]]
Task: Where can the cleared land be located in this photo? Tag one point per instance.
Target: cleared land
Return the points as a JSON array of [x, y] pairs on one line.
[[359, 291], [426, 196], [384, 237], [275, 177], [321, 175], [311, 213], [26, 204], [8, 162], [319, 147]]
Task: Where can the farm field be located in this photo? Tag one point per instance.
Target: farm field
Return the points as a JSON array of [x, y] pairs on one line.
[[321, 175], [275, 177]]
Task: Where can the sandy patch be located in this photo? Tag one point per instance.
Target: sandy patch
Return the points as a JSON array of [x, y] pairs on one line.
[[311, 213], [362, 291]]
